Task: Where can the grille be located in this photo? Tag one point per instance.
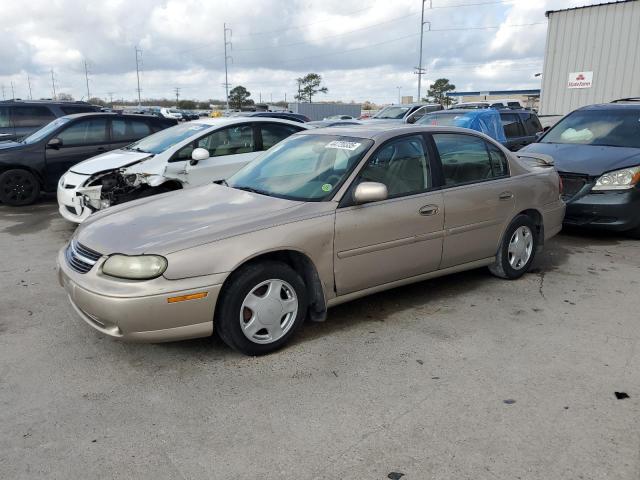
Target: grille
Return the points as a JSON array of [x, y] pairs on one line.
[[80, 258], [571, 185]]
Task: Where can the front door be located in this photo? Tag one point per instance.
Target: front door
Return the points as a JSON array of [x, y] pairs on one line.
[[230, 149], [397, 238], [82, 139], [478, 197]]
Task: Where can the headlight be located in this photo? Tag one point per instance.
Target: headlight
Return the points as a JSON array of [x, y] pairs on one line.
[[619, 179], [140, 267]]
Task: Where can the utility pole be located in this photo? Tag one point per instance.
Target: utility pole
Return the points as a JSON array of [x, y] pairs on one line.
[[110, 98], [138, 61], [419, 70], [177, 90], [53, 84], [260, 97], [3, 98], [226, 58], [399, 97], [86, 77], [29, 83], [299, 91], [13, 93]]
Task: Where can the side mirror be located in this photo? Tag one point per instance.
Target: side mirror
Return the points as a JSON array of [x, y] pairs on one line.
[[539, 134], [368, 192], [199, 154], [54, 143]]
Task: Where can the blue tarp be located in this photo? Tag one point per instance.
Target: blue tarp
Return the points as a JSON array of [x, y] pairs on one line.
[[485, 120]]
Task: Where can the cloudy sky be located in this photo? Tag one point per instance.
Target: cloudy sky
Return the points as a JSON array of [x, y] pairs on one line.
[[364, 50]]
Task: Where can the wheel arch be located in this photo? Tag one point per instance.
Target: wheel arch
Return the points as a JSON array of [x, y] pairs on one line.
[[304, 266], [538, 220], [5, 167]]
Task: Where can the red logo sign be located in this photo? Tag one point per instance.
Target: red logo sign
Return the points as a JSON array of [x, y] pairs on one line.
[[580, 77]]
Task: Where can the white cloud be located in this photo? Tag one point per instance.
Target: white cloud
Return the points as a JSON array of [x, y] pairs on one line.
[[364, 50]]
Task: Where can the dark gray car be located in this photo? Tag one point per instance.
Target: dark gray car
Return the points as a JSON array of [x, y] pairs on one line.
[[19, 118]]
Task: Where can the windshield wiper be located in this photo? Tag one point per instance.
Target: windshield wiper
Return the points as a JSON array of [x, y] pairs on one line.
[[252, 190]]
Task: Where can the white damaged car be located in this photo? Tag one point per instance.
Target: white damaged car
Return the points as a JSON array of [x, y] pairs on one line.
[[186, 155]]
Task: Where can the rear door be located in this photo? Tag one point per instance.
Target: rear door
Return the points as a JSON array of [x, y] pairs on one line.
[[397, 238], [513, 130], [82, 139], [27, 119], [532, 126], [478, 196]]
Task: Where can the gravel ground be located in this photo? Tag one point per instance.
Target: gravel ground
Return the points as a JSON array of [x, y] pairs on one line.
[[463, 377]]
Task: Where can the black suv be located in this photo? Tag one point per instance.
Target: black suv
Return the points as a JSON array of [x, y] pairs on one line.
[[19, 118], [521, 127], [37, 162]]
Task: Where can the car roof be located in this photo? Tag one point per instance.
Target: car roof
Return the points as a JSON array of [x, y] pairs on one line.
[[380, 133], [111, 114], [244, 119], [612, 106]]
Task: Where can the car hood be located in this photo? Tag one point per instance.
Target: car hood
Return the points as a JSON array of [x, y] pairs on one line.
[[187, 218], [592, 160], [10, 145], [109, 161]]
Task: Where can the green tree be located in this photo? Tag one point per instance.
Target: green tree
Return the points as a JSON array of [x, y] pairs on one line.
[[308, 86], [186, 105], [239, 96], [438, 91]]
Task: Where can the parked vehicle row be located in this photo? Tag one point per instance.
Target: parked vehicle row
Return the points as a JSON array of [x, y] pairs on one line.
[[325, 216]]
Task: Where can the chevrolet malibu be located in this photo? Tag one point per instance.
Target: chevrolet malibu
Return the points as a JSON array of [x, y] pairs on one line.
[[324, 217]]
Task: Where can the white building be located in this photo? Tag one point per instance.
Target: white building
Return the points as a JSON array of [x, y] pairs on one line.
[[592, 56]]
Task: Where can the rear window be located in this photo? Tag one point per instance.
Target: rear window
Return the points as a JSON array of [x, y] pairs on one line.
[[533, 124], [511, 124], [5, 121], [611, 128], [31, 116]]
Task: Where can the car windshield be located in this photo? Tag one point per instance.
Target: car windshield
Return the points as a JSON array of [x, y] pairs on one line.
[[446, 119], [164, 139], [394, 113], [612, 128], [303, 167], [46, 130]]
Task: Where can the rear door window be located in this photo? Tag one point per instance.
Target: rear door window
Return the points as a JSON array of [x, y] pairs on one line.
[[468, 159], [85, 132], [533, 124], [5, 120], [511, 124], [123, 130], [273, 133], [229, 141], [31, 116]]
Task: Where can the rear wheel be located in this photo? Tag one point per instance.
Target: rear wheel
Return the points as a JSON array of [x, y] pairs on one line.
[[19, 187], [517, 250], [261, 308]]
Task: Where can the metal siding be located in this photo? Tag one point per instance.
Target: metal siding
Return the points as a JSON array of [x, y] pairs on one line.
[[318, 111], [603, 39]]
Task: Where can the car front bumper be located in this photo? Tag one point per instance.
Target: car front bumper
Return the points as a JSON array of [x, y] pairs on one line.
[[70, 202], [140, 310], [617, 210]]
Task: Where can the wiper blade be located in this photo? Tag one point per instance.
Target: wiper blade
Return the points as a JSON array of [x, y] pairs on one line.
[[253, 190]]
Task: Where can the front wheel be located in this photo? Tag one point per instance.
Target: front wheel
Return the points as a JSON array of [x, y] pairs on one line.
[[261, 307], [19, 187], [517, 249]]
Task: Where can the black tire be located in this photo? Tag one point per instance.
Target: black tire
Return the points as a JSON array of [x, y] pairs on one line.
[[502, 267], [240, 284], [19, 187]]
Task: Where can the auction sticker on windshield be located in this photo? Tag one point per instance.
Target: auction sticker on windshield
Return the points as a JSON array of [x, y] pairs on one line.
[[342, 145]]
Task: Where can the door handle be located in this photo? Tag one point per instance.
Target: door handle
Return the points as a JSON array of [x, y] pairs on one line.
[[428, 210], [101, 149], [505, 196]]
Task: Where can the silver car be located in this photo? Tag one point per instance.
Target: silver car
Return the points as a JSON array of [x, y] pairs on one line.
[[324, 217]]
